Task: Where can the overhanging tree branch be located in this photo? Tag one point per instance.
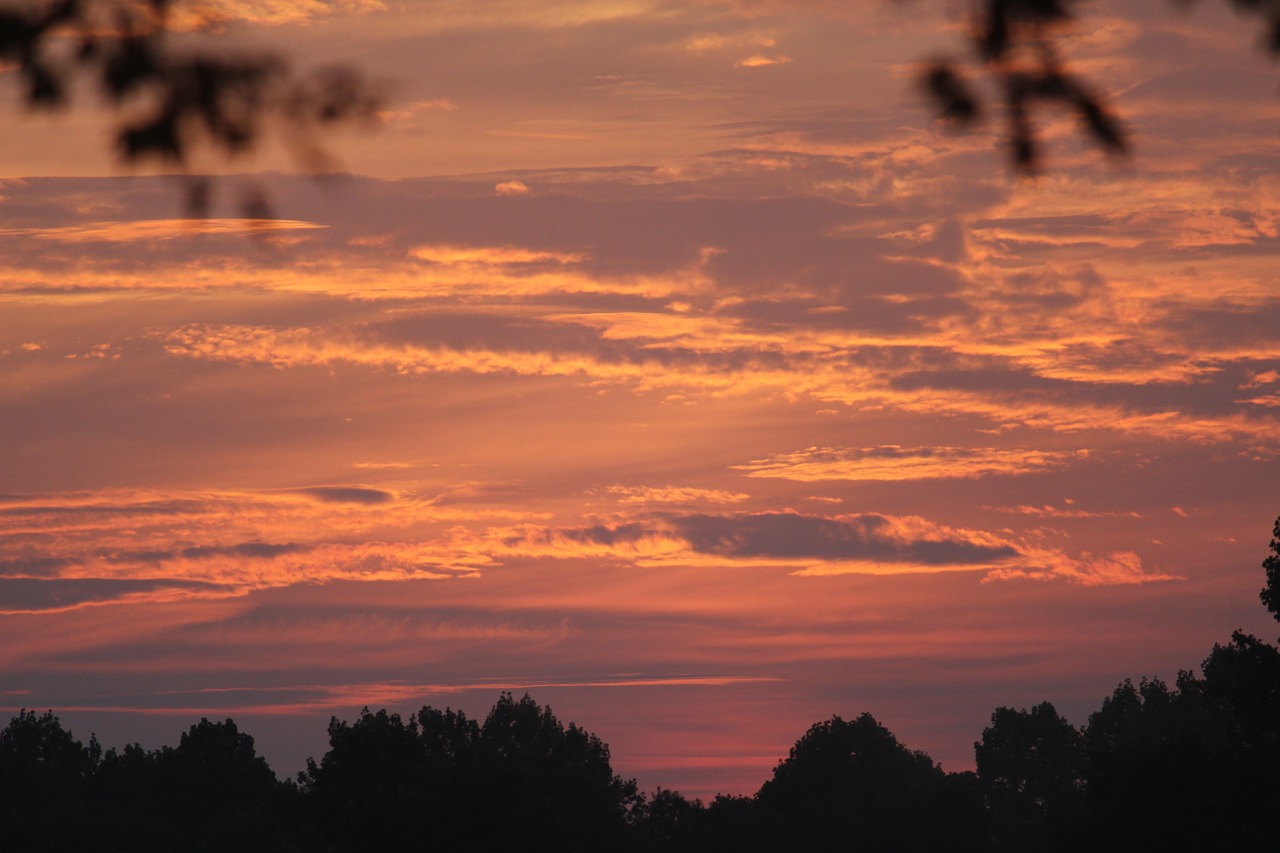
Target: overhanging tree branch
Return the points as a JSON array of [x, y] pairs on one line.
[[1013, 44], [173, 102]]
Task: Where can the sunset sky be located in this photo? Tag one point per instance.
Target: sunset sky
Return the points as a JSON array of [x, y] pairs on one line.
[[661, 359]]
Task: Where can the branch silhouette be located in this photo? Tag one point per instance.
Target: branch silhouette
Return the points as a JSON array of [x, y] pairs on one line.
[[1013, 44], [174, 102]]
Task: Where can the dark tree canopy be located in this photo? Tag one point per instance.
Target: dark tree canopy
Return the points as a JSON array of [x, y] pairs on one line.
[[1182, 768], [1192, 767], [1031, 769], [521, 778], [554, 784], [849, 784], [44, 778]]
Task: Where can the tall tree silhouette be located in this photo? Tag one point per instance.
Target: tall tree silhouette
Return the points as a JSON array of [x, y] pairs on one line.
[[1270, 594]]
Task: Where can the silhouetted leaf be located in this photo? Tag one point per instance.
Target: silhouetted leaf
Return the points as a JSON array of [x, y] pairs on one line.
[[952, 96], [179, 102]]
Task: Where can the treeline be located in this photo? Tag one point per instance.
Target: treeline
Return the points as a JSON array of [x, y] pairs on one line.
[[1195, 766]]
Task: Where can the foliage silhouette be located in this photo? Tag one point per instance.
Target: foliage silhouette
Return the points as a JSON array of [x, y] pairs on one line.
[[1013, 41], [521, 778], [215, 788], [1270, 594], [370, 790], [1166, 770], [184, 102], [668, 820], [44, 779], [853, 784], [1014, 44], [175, 103], [547, 785], [1031, 769]]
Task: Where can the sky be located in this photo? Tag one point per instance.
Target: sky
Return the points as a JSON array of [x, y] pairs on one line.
[[662, 360]]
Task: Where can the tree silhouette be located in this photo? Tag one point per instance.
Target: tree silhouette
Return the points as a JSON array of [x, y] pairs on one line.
[[546, 785], [442, 781], [216, 791], [185, 102], [731, 825], [45, 775], [212, 792], [1170, 769], [1031, 769], [853, 785], [369, 791], [1270, 594], [670, 821], [1013, 41], [175, 103], [1014, 44]]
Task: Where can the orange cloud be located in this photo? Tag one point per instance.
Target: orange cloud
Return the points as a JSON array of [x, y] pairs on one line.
[[1048, 511], [205, 14], [412, 110], [157, 229], [512, 188], [892, 462], [118, 546], [491, 255], [673, 495], [816, 372], [762, 61], [1114, 569]]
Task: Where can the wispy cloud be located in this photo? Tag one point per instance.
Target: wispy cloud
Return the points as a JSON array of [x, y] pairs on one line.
[[892, 462], [658, 495], [1117, 568], [760, 60], [140, 231], [1048, 511], [203, 14]]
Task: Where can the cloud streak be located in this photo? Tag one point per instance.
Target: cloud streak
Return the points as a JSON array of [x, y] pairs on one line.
[[892, 462]]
